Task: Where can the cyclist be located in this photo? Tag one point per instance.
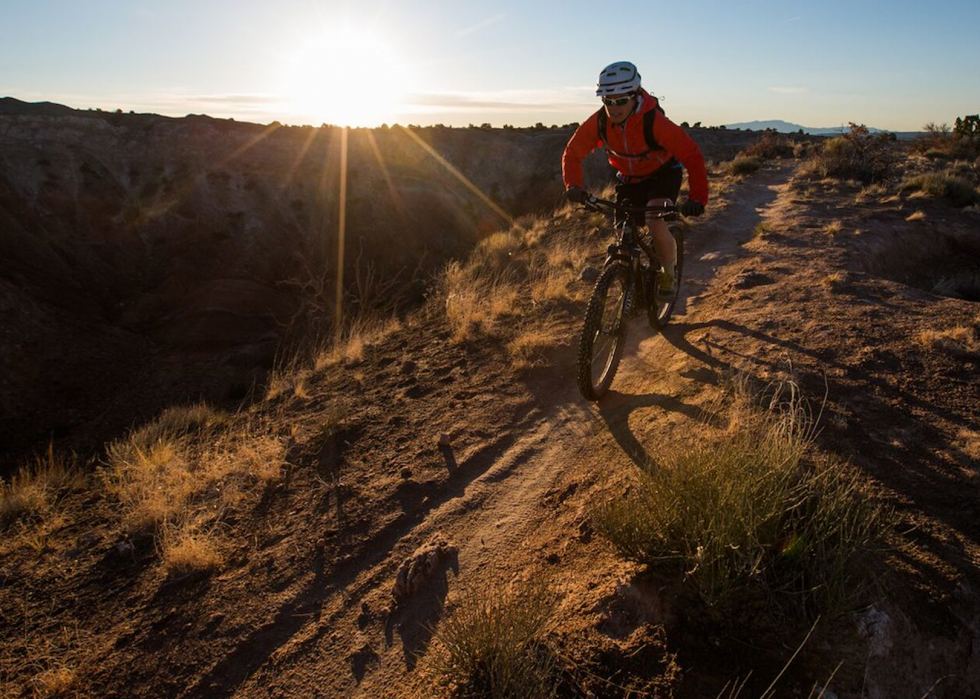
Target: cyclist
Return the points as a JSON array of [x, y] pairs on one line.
[[647, 150]]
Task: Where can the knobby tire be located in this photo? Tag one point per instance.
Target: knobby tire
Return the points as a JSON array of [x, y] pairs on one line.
[[604, 320]]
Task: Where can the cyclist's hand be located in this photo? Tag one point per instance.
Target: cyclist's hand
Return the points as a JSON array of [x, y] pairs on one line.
[[692, 208], [576, 195]]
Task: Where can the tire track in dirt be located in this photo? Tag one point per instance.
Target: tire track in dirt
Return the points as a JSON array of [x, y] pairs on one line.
[[663, 376]]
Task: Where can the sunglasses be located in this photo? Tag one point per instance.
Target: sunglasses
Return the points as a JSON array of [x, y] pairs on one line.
[[616, 101]]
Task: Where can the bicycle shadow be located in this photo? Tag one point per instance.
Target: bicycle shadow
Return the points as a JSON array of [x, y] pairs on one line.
[[615, 409]]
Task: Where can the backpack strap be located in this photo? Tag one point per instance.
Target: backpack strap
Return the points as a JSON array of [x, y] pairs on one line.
[[601, 115], [648, 120]]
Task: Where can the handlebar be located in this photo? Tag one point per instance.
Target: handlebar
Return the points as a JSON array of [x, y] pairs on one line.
[[594, 203]]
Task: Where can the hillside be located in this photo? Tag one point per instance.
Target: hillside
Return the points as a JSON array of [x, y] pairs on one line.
[[220, 553], [169, 253], [172, 254]]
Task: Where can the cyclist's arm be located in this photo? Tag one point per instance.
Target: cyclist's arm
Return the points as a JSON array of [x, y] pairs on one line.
[[675, 139], [583, 141]]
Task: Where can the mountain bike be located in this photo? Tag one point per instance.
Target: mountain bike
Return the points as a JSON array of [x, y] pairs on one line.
[[627, 285]]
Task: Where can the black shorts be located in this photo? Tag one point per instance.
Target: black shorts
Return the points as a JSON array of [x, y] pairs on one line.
[[665, 183]]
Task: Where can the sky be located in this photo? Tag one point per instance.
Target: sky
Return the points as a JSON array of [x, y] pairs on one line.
[[891, 65]]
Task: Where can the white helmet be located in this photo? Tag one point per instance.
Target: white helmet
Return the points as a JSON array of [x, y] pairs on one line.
[[618, 78]]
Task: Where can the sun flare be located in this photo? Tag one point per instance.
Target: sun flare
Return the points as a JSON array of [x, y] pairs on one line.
[[347, 78]]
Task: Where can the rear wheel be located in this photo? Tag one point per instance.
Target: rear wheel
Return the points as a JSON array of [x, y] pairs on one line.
[[604, 332], [659, 311]]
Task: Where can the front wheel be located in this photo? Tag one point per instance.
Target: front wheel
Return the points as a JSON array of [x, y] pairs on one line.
[[604, 331], [659, 311]]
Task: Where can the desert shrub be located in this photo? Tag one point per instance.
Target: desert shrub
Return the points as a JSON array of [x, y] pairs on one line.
[[752, 512], [858, 155], [771, 145], [941, 185], [744, 165], [493, 645], [968, 127], [940, 142]]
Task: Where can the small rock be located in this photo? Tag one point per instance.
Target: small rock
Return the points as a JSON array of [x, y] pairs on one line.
[[748, 280], [405, 472], [589, 274], [875, 625], [445, 440], [408, 366], [418, 569], [552, 558]]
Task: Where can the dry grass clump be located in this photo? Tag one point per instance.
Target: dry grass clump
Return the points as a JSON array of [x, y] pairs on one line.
[[493, 645], [873, 192], [359, 333], [509, 271], [834, 280], [151, 481], [35, 490], [187, 549], [474, 303], [56, 682], [164, 479], [528, 348], [941, 185], [917, 215], [177, 421], [753, 514], [960, 342], [834, 227]]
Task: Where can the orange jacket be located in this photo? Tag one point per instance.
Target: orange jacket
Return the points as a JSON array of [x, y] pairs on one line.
[[629, 153]]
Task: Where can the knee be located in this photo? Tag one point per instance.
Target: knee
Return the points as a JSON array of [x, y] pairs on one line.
[[656, 224]]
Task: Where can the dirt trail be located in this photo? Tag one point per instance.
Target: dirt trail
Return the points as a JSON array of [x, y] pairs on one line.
[[506, 521]]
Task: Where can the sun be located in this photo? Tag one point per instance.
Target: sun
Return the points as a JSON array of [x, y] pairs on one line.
[[346, 78]]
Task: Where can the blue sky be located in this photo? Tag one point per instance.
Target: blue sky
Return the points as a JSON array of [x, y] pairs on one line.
[[894, 65]]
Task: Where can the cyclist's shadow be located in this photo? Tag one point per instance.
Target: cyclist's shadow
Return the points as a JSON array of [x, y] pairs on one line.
[[615, 409]]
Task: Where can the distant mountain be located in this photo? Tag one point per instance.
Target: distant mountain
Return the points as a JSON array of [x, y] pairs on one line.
[[787, 127]]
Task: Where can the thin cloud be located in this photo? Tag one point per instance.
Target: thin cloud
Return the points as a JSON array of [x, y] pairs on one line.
[[232, 99], [503, 100], [480, 25], [788, 90]]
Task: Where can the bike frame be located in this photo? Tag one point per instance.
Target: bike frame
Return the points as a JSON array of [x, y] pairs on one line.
[[628, 243]]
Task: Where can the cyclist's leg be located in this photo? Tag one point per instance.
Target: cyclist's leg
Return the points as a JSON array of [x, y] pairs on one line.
[[663, 243], [665, 184]]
